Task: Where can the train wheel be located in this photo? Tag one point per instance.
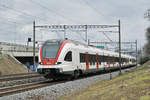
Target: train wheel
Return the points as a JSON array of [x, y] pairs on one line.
[[76, 74], [54, 79]]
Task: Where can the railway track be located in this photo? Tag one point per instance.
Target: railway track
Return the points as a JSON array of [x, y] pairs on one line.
[[21, 88], [26, 87], [35, 85], [18, 76]]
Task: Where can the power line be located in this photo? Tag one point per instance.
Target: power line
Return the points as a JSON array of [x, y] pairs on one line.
[[2, 30], [11, 22], [107, 37], [51, 11], [11, 18], [80, 35], [58, 34], [88, 4], [24, 13]]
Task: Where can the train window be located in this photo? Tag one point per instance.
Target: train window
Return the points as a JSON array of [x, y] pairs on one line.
[[122, 61], [111, 60], [116, 59], [82, 57], [97, 59], [105, 58], [108, 59], [68, 56], [127, 60], [90, 59], [93, 59], [50, 50], [100, 59]]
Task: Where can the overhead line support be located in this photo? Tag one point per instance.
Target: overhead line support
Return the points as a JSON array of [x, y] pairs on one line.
[[119, 29], [34, 44]]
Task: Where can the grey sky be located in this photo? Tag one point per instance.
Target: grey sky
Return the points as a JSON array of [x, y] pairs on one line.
[[130, 12]]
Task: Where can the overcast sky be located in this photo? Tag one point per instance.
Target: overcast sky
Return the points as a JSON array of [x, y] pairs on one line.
[[16, 18]]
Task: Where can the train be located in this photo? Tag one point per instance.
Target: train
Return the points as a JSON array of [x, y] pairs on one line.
[[60, 58]]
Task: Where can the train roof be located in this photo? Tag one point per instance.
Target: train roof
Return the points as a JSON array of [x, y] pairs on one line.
[[79, 43]]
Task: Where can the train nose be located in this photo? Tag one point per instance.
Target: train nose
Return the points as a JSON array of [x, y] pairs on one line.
[[49, 61]]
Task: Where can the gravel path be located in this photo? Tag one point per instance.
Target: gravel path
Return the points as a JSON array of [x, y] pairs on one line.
[[55, 91]]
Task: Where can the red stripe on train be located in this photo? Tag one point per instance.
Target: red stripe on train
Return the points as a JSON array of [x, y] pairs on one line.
[[87, 61], [108, 61], [97, 65]]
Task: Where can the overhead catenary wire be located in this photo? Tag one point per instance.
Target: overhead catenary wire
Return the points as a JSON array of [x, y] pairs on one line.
[[3, 30], [107, 37], [44, 7], [51, 11], [87, 3], [24, 13], [99, 13], [9, 20], [21, 12], [96, 10], [80, 35]]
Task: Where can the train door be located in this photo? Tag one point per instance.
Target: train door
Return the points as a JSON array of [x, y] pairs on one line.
[[112, 61], [87, 61], [68, 60], [108, 61], [97, 61], [75, 58]]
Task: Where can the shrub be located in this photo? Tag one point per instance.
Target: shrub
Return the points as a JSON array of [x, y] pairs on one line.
[[144, 59]]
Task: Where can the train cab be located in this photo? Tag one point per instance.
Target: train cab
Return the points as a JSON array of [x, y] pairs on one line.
[[56, 58]]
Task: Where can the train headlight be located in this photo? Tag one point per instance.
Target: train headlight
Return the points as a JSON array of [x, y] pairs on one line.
[[57, 63], [40, 63]]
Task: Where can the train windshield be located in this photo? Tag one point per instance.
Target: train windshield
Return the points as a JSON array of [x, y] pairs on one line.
[[50, 49]]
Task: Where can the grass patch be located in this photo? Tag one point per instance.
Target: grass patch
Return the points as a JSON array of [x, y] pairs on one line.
[[146, 97], [131, 86]]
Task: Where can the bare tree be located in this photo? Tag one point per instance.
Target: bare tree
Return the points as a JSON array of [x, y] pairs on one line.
[[147, 14], [147, 46]]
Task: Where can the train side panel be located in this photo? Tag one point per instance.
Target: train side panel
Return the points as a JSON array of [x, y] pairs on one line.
[[76, 57]]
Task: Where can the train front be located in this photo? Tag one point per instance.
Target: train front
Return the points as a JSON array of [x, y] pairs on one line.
[[48, 59]]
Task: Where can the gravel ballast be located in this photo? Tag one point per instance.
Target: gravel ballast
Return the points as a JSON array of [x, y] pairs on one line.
[[55, 91], [21, 81]]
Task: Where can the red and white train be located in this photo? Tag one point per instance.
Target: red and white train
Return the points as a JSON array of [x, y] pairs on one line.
[[59, 58]]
